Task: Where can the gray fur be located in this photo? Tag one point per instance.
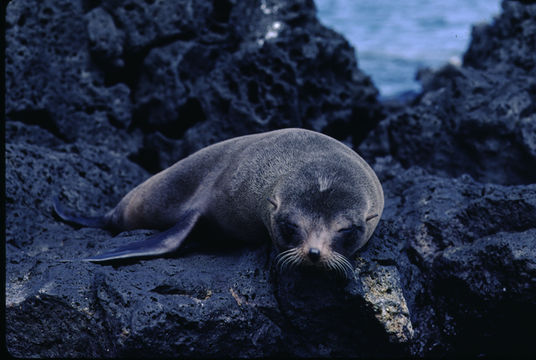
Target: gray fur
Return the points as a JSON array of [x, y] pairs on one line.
[[234, 183]]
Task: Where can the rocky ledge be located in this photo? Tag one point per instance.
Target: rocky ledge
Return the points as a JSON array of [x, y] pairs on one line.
[[100, 94]]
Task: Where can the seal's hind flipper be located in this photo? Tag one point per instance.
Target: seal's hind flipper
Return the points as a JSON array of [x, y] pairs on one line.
[[158, 244], [95, 222]]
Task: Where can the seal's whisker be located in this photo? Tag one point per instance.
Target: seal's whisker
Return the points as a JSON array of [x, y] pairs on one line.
[[286, 258], [340, 268], [285, 264], [334, 265], [348, 264], [280, 261], [328, 265], [294, 260], [349, 269], [343, 259], [344, 265], [283, 254]]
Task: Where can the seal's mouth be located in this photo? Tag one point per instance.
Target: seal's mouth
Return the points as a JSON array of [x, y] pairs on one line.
[[334, 261]]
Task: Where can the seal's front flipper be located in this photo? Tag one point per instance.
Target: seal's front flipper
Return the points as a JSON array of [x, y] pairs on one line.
[[158, 244], [95, 222]]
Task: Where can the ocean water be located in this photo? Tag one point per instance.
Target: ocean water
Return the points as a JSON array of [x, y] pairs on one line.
[[393, 39]]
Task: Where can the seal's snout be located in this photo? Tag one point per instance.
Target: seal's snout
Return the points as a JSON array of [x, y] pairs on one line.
[[314, 254]]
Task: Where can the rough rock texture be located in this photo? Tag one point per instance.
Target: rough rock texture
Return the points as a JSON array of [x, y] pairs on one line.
[[101, 93], [478, 118], [459, 170], [186, 73], [465, 251]]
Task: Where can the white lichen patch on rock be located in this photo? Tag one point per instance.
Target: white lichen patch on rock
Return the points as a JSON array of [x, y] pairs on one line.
[[383, 291]]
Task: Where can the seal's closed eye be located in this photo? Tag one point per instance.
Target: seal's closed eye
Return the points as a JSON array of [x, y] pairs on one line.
[[351, 229], [288, 225], [290, 231]]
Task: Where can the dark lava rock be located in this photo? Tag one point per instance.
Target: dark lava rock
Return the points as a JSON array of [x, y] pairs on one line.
[[51, 80], [460, 166], [191, 73], [465, 253], [247, 69], [509, 44], [101, 93], [480, 118]]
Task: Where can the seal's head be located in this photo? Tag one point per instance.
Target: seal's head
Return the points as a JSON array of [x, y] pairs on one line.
[[319, 219]]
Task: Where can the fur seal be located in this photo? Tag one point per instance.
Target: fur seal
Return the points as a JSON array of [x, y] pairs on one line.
[[318, 200]]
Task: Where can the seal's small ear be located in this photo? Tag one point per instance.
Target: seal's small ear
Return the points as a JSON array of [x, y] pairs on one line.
[[370, 217], [273, 202]]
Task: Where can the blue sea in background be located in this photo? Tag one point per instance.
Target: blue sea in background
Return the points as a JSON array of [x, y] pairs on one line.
[[393, 39]]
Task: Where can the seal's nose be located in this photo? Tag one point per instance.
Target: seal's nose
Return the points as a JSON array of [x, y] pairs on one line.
[[314, 254]]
